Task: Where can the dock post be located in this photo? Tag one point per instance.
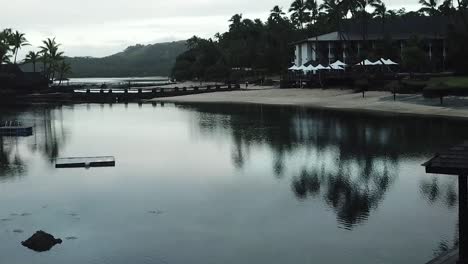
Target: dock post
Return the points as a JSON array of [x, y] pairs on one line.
[[184, 89], [229, 87], [208, 87], [463, 218], [88, 91], [176, 89], [195, 88], [101, 91], [110, 91], [154, 91], [218, 87], [140, 91]]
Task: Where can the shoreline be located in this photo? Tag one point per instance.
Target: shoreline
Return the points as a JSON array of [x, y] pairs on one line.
[[375, 102]]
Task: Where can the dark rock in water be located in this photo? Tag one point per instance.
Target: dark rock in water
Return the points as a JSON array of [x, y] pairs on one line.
[[41, 241]]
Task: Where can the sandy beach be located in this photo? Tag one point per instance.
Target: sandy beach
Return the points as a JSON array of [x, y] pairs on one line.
[[374, 101]]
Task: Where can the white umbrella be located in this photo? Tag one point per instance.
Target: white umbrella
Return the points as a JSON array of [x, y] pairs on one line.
[[293, 68], [389, 62], [336, 67], [365, 62], [378, 62], [302, 68], [321, 67], [310, 68], [338, 63]]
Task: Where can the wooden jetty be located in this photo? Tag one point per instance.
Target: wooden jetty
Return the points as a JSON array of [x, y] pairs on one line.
[[85, 162], [123, 95], [451, 257], [455, 162], [14, 128]]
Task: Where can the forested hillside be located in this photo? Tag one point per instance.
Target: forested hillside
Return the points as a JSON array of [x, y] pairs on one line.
[[139, 60]]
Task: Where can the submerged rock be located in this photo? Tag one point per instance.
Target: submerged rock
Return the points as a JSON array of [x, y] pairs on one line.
[[41, 241]]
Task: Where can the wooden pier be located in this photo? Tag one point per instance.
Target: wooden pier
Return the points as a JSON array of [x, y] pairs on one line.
[[455, 162], [85, 162], [451, 257], [14, 128], [145, 93], [122, 95]]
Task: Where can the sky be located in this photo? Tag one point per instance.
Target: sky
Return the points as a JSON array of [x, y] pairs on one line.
[[103, 27]]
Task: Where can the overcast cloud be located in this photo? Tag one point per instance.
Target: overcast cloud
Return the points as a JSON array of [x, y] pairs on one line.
[[103, 27]]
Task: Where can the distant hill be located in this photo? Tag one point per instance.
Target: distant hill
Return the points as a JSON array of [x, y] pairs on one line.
[[138, 61]]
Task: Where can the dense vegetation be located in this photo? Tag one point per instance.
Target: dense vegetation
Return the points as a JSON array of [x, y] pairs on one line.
[[51, 59], [266, 46], [138, 60]]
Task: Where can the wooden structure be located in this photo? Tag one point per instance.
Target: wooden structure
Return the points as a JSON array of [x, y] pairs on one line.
[[85, 162], [455, 162], [14, 128]]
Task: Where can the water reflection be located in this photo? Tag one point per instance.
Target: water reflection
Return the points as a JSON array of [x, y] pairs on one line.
[[11, 164], [48, 138], [434, 191], [351, 197], [350, 160]]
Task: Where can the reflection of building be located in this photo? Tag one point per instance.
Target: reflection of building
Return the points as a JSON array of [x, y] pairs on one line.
[[358, 39]]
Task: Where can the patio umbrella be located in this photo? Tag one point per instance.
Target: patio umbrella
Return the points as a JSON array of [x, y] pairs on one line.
[[310, 68], [366, 62], [336, 67], [302, 68], [293, 68], [389, 62], [338, 63], [321, 67]]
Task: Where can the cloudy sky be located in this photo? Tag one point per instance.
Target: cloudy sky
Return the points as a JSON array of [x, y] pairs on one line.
[[102, 27]]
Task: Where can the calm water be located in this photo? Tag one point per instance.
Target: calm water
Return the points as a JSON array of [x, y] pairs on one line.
[[226, 184]]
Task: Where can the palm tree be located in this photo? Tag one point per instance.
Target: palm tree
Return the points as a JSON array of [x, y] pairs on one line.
[[50, 56], [5, 40], [63, 69], [299, 13], [446, 8], [334, 11], [236, 22], [17, 41], [32, 57], [4, 49], [312, 7], [462, 4], [429, 7], [276, 14], [380, 11]]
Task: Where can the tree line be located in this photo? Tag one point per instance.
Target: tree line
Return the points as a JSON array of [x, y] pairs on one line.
[[49, 58], [266, 46]]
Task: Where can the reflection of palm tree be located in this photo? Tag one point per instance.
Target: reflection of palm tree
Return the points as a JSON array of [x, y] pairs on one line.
[[366, 150], [352, 198], [10, 165], [434, 191]]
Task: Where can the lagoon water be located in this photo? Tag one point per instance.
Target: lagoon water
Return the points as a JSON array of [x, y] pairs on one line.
[[226, 184]]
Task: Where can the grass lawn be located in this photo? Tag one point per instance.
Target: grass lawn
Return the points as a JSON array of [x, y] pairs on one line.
[[459, 82]]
